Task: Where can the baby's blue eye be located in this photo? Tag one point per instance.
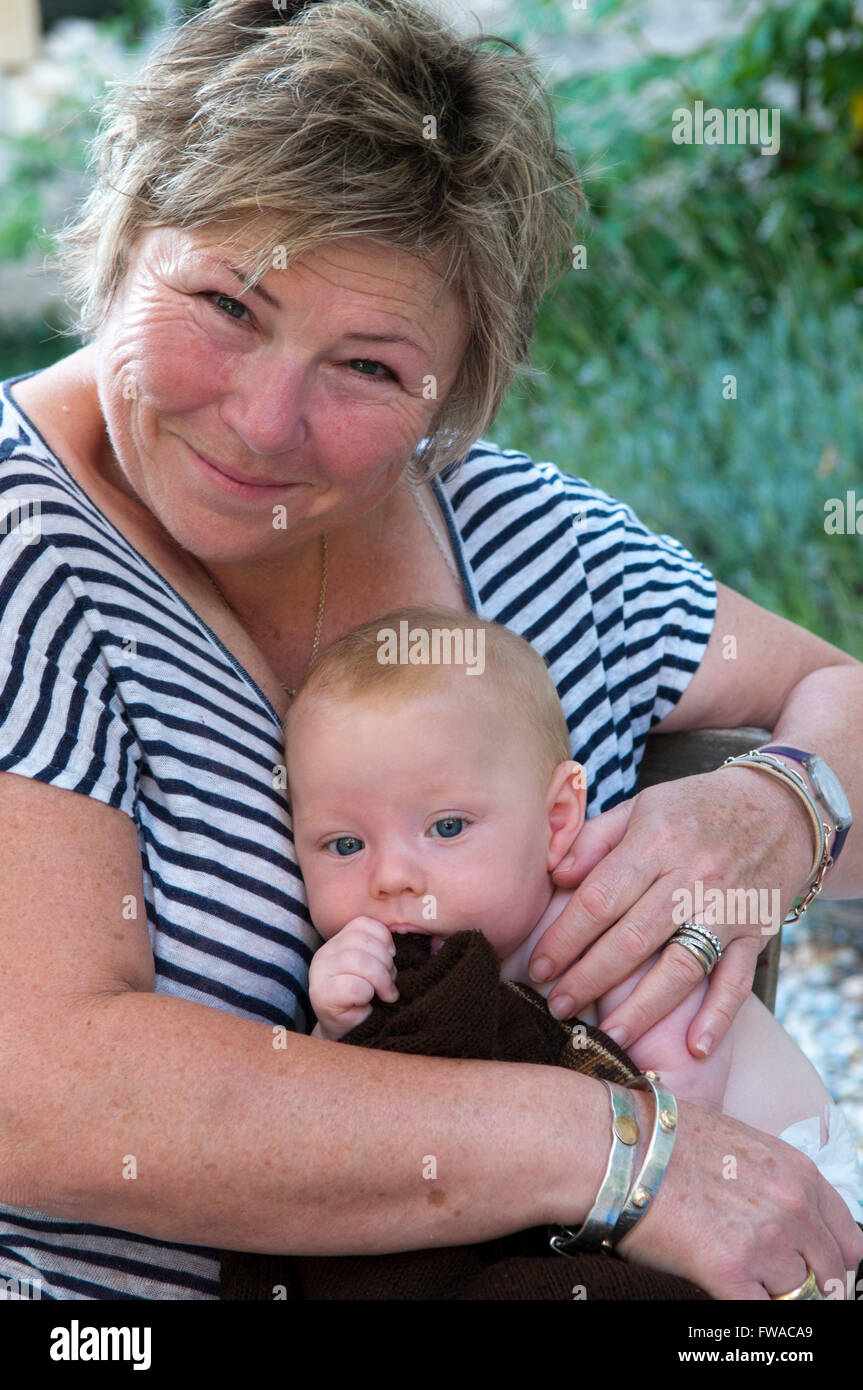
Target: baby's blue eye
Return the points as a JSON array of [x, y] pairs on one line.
[[450, 826], [345, 845]]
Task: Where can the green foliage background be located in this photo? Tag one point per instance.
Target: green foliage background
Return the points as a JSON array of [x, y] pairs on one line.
[[709, 260], [703, 261]]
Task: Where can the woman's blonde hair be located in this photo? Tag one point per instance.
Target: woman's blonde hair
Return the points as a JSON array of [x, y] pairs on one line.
[[342, 118]]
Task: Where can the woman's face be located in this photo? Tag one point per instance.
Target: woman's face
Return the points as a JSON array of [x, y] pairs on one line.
[[292, 391]]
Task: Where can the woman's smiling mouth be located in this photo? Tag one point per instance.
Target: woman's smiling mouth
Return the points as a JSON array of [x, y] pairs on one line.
[[237, 483]]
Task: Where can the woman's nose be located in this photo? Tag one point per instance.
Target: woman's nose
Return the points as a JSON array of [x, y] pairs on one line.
[[265, 406]]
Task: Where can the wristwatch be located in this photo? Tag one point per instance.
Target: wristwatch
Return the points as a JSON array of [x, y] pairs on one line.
[[827, 788]]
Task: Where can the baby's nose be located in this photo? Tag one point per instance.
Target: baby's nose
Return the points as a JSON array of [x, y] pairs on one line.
[[396, 870]]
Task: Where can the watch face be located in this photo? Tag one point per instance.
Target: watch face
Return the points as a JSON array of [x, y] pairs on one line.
[[828, 786]]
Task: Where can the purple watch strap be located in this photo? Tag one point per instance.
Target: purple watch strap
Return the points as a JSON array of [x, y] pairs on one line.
[[797, 755]]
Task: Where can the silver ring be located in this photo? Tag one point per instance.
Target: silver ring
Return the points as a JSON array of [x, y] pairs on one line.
[[706, 963], [701, 930], [698, 944]]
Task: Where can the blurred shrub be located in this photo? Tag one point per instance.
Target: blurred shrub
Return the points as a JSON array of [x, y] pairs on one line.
[[43, 168], [706, 261], [133, 15], [669, 221], [742, 482]]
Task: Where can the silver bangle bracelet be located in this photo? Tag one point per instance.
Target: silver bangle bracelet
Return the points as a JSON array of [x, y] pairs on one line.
[[655, 1160], [611, 1197], [766, 762]]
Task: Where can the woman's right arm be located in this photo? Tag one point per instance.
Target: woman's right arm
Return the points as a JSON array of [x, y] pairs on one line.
[[314, 1148], [310, 1147]]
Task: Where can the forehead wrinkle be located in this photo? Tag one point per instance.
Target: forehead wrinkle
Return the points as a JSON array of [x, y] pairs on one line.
[[414, 296]]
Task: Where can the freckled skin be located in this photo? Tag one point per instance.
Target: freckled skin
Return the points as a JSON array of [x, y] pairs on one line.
[[435, 1197], [275, 393]]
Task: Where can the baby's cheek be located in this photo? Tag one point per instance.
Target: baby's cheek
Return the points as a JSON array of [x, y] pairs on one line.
[[324, 910]]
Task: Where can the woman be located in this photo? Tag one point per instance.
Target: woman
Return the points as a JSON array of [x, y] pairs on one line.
[[222, 489]]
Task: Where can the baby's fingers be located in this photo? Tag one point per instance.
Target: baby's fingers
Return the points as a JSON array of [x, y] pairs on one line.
[[365, 933], [359, 969]]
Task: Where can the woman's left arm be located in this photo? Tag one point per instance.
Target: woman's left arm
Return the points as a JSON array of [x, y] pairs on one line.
[[733, 829]]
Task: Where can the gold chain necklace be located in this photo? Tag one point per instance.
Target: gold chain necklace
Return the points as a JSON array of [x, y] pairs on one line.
[[321, 602], [417, 495]]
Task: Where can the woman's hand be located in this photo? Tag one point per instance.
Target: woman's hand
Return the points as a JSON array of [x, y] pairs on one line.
[[742, 1214], [734, 829]]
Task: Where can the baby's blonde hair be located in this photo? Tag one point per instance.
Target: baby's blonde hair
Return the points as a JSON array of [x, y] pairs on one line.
[[352, 668]]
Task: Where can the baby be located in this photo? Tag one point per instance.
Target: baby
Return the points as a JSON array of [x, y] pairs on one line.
[[425, 800]]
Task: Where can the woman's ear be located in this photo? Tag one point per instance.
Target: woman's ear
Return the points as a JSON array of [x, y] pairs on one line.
[[566, 801]]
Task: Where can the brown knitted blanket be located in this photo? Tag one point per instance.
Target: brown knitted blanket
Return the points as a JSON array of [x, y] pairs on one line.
[[453, 1004]]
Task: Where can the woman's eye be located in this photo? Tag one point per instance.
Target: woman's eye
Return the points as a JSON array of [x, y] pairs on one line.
[[236, 310], [220, 299], [369, 362], [449, 827], [345, 845]]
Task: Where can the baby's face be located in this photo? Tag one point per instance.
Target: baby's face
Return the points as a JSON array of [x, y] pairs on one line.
[[431, 816]]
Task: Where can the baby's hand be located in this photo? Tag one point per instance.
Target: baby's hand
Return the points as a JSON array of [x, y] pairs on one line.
[[347, 972]]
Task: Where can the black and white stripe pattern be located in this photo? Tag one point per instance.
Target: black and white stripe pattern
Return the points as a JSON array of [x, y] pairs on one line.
[[620, 615], [112, 686]]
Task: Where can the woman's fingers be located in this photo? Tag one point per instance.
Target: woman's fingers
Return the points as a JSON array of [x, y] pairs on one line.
[[764, 1214], [848, 1235], [729, 987], [785, 1275], [629, 903], [642, 927], [827, 1236], [597, 838], [824, 1258], [670, 981], [605, 896]]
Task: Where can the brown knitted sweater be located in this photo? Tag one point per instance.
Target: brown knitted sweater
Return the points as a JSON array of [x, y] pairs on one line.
[[453, 1004]]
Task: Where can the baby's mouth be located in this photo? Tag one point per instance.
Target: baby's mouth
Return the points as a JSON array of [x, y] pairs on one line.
[[403, 928]]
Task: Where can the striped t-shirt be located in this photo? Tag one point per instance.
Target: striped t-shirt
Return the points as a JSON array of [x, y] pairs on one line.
[[112, 686]]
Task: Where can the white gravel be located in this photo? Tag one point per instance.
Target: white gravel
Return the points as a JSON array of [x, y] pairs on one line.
[[820, 999]]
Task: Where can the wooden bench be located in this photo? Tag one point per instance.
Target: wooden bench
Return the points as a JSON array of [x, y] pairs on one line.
[[668, 756]]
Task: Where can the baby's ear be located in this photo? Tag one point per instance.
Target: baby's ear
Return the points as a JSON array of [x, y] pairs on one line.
[[566, 801]]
